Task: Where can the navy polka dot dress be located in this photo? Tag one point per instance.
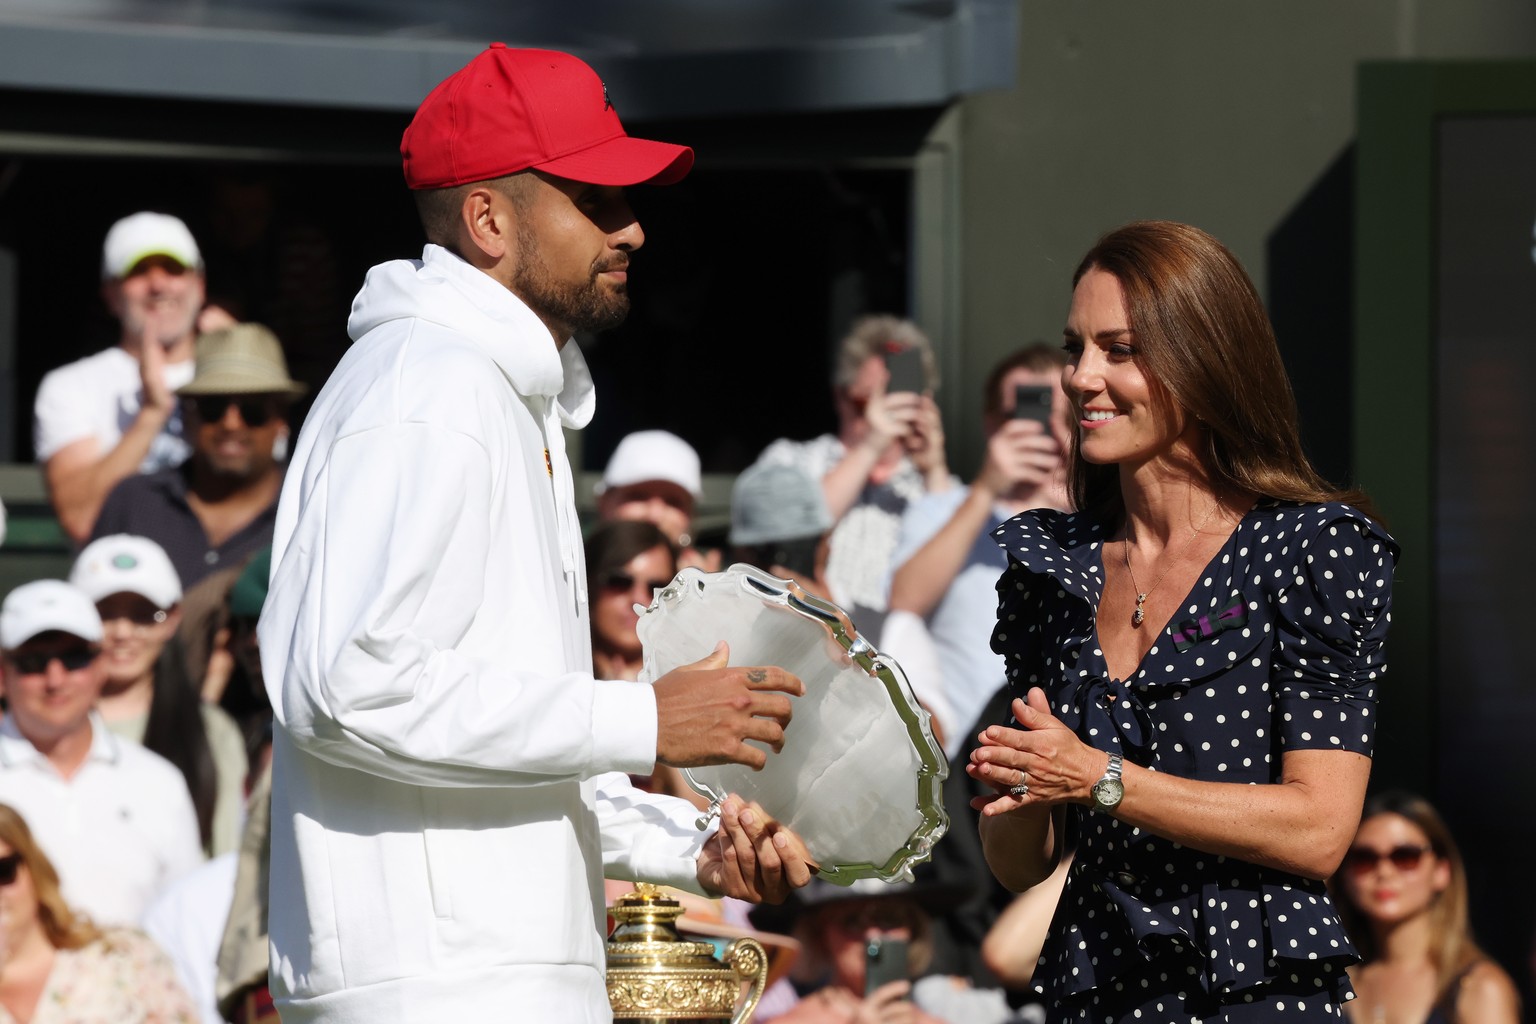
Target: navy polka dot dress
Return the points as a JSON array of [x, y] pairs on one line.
[[1278, 647]]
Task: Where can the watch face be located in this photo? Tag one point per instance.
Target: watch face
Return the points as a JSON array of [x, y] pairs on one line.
[[1107, 793]]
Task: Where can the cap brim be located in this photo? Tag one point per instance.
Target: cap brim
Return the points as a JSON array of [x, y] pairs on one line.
[[624, 161]]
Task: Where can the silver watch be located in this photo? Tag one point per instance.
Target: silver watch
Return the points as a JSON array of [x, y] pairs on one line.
[[1109, 790]]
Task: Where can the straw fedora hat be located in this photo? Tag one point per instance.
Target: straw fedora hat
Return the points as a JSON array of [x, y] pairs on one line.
[[246, 359]]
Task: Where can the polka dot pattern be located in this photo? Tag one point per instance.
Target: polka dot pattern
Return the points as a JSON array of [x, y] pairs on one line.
[[1278, 646]]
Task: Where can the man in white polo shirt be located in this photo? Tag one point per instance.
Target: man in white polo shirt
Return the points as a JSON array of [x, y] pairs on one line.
[[103, 418], [115, 819]]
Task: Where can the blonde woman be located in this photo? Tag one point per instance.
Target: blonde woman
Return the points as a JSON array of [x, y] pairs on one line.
[[58, 968], [1403, 897]]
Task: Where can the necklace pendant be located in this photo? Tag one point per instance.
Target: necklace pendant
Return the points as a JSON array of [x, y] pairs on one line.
[[1138, 614]]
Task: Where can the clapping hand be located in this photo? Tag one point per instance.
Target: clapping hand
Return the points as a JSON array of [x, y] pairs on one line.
[[159, 400], [1043, 755]]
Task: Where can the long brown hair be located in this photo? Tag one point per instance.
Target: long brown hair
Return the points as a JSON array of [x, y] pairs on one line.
[[65, 928], [1452, 948], [1202, 335]]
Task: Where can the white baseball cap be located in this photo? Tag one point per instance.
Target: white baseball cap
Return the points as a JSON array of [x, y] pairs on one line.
[[124, 564], [653, 455], [141, 235], [44, 606]]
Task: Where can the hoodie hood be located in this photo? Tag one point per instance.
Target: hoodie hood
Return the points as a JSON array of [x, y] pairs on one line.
[[443, 289]]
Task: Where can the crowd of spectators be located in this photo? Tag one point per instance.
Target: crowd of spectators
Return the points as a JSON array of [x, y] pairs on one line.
[[134, 789]]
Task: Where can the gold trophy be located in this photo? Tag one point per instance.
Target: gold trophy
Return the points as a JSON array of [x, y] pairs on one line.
[[657, 977]]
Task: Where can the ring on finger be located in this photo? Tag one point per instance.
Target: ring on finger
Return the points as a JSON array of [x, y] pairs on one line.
[[1022, 789]]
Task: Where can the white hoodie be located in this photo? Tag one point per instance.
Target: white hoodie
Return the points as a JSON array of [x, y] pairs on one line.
[[440, 818]]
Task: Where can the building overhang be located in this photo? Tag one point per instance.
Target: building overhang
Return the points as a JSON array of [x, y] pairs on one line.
[[662, 59]]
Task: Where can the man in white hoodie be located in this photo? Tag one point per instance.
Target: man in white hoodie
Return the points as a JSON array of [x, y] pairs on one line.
[[448, 782]]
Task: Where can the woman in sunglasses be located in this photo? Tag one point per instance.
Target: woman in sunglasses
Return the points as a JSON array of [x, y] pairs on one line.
[[56, 967], [627, 562], [149, 697], [1403, 898]]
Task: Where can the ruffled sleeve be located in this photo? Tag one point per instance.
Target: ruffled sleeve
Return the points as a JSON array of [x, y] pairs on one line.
[[1046, 597], [1331, 622]]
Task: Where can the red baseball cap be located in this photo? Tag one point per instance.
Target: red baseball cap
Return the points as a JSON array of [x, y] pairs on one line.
[[510, 110]]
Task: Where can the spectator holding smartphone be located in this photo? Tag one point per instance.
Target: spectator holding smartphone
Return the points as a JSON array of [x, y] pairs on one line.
[[946, 563], [837, 928], [887, 453]]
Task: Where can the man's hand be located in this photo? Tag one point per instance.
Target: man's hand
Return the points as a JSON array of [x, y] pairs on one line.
[[891, 417], [705, 712], [214, 318], [159, 401], [751, 856], [1020, 453]]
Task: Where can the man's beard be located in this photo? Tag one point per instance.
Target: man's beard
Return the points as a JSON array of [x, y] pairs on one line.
[[582, 308]]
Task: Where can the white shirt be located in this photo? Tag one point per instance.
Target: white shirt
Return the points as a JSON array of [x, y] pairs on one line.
[[859, 550], [962, 621], [100, 396], [118, 831], [443, 798], [187, 921]]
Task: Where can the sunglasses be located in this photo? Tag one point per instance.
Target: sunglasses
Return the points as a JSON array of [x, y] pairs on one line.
[[255, 410], [1361, 860], [141, 614], [624, 581], [73, 660], [9, 865]]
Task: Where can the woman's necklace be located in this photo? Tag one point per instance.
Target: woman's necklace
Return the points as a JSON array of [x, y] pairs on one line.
[[1141, 598]]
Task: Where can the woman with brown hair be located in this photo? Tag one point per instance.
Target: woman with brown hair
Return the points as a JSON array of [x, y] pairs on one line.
[[58, 968], [1195, 654], [1403, 892], [628, 560]]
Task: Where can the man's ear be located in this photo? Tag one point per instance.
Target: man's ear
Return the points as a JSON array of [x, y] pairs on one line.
[[487, 225]]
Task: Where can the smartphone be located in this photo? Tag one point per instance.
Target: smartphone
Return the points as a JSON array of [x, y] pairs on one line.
[[1032, 402], [906, 370], [885, 961]]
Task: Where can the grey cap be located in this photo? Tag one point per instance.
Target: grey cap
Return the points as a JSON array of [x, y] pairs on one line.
[[776, 503]]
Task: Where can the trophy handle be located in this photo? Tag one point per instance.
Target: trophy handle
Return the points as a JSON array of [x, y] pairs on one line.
[[750, 962]]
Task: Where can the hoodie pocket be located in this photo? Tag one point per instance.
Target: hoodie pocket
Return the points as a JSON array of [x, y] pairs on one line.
[[437, 852]]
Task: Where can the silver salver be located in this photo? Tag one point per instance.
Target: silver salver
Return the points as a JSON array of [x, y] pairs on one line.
[[860, 774]]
